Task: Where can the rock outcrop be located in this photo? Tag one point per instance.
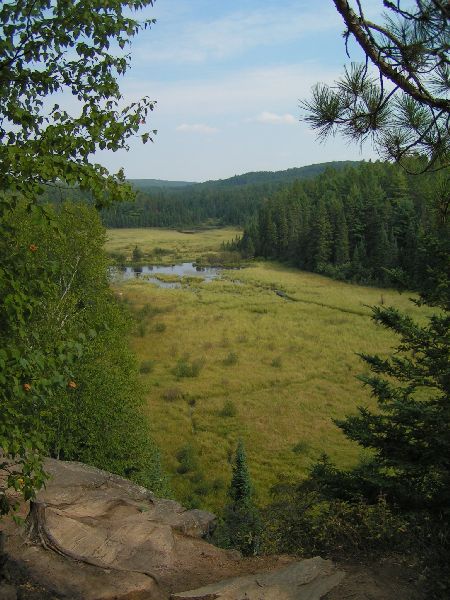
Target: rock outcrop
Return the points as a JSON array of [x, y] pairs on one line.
[[306, 580], [92, 535]]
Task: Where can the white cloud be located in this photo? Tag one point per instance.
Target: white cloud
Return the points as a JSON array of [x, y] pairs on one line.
[[270, 117], [249, 91], [230, 35], [196, 128]]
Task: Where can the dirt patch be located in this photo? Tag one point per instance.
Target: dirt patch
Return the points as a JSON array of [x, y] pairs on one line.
[[387, 579]]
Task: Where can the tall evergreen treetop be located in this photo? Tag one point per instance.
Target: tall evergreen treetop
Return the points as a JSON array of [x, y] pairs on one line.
[[240, 489], [410, 433], [241, 526]]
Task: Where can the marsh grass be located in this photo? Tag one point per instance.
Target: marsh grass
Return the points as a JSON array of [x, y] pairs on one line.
[[314, 340], [165, 246]]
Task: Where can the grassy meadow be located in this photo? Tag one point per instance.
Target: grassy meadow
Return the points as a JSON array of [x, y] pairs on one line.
[[231, 358], [165, 246]]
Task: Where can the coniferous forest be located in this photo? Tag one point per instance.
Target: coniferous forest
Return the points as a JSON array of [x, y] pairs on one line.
[[352, 221], [354, 224], [230, 201]]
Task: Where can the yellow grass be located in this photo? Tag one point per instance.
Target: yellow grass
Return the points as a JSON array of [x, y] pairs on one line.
[[295, 371], [175, 245]]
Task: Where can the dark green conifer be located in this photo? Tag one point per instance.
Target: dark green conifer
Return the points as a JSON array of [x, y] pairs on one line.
[[341, 243], [321, 238], [241, 517]]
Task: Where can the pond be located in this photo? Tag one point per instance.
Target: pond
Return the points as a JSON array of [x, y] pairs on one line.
[[150, 273]]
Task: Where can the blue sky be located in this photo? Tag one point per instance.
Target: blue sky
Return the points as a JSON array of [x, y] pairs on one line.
[[227, 78]]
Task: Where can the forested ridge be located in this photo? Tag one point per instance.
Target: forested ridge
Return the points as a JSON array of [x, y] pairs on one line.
[[355, 223], [229, 201], [161, 203]]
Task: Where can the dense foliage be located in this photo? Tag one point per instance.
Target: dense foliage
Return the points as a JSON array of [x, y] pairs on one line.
[[72, 52], [398, 496], [354, 224], [94, 413], [226, 202], [49, 48]]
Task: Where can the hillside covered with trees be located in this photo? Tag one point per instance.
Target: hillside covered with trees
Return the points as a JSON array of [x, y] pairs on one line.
[[353, 224], [225, 202]]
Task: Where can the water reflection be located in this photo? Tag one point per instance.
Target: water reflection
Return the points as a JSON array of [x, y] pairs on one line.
[[148, 272]]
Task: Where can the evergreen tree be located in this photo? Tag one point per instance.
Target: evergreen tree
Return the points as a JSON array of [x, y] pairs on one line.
[[241, 517], [410, 433], [137, 254], [409, 49], [341, 254], [321, 238]]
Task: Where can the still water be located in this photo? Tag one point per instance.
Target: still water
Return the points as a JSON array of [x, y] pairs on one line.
[[148, 272]]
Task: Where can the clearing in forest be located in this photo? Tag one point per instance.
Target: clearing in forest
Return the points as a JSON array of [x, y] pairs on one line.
[[266, 353]]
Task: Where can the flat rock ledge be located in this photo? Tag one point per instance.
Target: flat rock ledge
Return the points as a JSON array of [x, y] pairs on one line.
[[92, 535], [309, 579]]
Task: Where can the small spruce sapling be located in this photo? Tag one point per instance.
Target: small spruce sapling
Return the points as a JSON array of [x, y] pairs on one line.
[[241, 517]]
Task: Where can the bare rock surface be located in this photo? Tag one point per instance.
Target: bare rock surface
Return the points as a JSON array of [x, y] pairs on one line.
[[92, 535], [305, 580]]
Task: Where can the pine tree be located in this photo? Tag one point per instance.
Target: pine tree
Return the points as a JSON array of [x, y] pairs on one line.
[[409, 49], [241, 517], [321, 238], [410, 432], [341, 243]]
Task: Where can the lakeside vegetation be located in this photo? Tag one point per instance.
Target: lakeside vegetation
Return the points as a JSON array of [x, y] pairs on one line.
[[166, 246], [231, 359]]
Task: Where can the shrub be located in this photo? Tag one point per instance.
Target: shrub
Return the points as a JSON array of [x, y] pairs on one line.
[[276, 362], [187, 458], [231, 359], [184, 368], [305, 523], [147, 366], [137, 254], [228, 409], [172, 394], [300, 447], [118, 257]]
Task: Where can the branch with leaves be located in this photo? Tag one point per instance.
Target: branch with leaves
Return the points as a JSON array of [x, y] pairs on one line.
[[404, 109]]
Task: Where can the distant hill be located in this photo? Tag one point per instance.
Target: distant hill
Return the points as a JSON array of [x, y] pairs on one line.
[[147, 184], [251, 178], [286, 176], [231, 201]]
